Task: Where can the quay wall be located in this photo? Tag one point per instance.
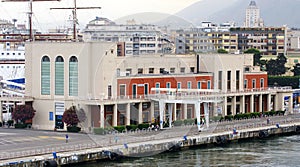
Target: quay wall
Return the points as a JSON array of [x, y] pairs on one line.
[[157, 146]]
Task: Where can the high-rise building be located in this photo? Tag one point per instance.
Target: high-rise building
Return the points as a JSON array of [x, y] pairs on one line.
[[253, 16]]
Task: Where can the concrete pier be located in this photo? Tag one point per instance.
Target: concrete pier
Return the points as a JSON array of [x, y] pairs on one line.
[[142, 148]]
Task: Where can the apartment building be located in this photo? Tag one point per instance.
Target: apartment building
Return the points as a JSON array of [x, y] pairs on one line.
[[270, 41], [138, 39]]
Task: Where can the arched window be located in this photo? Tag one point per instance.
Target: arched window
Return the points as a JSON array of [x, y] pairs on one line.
[[59, 75], [73, 76], [45, 75]]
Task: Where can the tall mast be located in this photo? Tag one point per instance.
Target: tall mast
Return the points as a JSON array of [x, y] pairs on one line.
[[31, 35], [74, 12]]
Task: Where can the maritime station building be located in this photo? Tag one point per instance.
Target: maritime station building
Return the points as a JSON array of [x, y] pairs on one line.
[[113, 89]]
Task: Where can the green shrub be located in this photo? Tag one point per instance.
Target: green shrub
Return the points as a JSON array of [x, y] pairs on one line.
[[101, 131], [20, 126], [228, 117], [119, 128], [216, 118], [143, 126], [131, 127], [189, 121], [280, 112], [178, 122], [10, 122], [73, 129]]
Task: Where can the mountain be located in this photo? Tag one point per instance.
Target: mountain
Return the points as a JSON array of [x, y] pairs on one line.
[[160, 19], [273, 12]]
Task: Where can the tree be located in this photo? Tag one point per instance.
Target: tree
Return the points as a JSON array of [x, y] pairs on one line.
[[70, 117], [256, 56], [22, 113], [296, 69], [277, 67], [222, 51]]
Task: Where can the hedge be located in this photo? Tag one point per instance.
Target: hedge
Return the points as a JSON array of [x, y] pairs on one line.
[[73, 129], [131, 127], [119, 128], [101, 131]]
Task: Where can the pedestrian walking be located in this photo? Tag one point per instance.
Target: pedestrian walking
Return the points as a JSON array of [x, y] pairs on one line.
[[67, 138]]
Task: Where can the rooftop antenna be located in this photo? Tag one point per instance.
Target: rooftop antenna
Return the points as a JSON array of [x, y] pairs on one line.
[[31, 36], [74, 12]]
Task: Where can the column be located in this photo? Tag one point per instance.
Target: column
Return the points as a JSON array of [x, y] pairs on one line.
[[260, 109], [170, 111], [127, 114], [269, 102], [197, 111], [115, 115], [233, 105], [152, 112], [1, 112], [161, 113], [140, 113], [290, 105], [276, 103], [206, 114], [215, 109], [251, 103], [184, 111], [242, 104], [102, 116], [225, 106], [175, 112]]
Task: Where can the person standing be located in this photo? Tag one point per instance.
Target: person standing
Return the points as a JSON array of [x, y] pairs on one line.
[[67, 138]]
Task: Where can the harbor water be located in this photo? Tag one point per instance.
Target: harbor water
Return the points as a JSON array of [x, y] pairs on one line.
[[281, 151]]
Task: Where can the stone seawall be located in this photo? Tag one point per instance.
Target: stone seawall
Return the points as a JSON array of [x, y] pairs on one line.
[[150, 148]]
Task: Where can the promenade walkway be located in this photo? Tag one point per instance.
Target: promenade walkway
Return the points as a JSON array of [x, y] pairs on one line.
[[25, 145]]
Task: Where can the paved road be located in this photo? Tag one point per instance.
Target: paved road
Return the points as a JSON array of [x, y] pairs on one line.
[[21, 143]]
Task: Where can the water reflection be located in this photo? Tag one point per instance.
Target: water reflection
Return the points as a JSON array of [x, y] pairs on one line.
[[279, 151]]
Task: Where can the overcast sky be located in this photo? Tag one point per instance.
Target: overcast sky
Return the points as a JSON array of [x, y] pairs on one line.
[[112, 9]]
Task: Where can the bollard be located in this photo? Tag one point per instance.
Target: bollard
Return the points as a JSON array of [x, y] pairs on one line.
[[54, 155]]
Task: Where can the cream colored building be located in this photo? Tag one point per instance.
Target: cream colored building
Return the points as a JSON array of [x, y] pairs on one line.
[[116, 90]]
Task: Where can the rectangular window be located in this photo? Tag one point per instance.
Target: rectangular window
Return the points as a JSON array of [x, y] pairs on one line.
[[262, 81], [178, 85], [109, 91], [157, 85], [192, 69], [123, 90], [189, 85], [161, 70], [237, 77], [140, 71], [172, 70], [151, 70], [134, 91], [199, 85], [253, 83], [208, 85], [220, 80], [168, 85], [146, 89], [228, 80], [245, 83], [128, 71], [182, 70]]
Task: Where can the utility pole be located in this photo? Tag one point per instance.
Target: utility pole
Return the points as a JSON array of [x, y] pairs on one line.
[[74, 12], [31, 35]]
